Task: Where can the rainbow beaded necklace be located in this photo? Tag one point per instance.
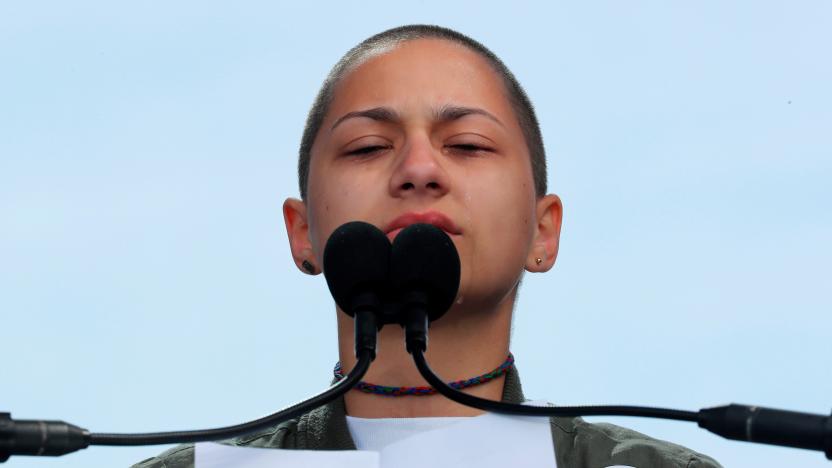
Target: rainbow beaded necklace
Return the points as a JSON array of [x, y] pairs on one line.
[[424, 391]]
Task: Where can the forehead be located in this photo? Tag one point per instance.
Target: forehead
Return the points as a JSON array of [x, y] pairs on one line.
[[418, 74]]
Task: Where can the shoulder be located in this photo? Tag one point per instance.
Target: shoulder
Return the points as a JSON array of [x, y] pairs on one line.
[[179, 457], [580, 444], [323, 428], [182, 456]]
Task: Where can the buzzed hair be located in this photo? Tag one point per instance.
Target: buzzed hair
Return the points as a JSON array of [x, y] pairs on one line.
[[392, 38]]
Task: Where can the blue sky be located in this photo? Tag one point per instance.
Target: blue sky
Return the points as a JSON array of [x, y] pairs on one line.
[[146, 148]]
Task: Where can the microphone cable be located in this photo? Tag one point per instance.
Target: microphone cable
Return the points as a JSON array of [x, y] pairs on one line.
[[54, 438], [526, 410], [179, 437], [736, 422]]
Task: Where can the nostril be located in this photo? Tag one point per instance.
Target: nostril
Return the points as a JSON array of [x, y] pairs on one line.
[[408, 186], [432, 185]]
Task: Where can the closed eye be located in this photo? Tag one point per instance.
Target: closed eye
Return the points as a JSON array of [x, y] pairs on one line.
[[366, 150], [469, 148]]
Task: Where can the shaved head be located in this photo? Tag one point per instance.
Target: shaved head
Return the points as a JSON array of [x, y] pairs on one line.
[[389, 40]]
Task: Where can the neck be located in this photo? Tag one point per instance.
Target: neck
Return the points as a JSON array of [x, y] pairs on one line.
[[462, 344]]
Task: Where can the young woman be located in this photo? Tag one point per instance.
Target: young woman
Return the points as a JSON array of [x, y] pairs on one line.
[[423, 124]]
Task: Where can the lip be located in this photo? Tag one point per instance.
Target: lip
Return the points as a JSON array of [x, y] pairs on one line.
[[434, 218]]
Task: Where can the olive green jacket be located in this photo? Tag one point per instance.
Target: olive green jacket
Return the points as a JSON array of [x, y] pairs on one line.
[[578, 444]]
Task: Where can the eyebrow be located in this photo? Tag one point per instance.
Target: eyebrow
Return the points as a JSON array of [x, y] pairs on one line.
[[446, 113], [450, 113], [380, 114]]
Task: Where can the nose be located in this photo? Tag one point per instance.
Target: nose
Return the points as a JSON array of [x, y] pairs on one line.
[[419, 172]]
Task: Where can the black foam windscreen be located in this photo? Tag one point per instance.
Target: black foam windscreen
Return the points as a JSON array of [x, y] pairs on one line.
[[356, 265], [424, 259]]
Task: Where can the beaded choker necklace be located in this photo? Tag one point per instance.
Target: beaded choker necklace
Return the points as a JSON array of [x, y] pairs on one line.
[[424, 391]]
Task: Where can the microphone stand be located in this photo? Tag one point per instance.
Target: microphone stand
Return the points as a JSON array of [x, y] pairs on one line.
[[54, 438], [425, 271], [356, 262], [737, 422]]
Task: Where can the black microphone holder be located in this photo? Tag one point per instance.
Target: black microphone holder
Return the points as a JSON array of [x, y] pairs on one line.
[[422, 284], [53, 438], [737, 422], [417, 278]]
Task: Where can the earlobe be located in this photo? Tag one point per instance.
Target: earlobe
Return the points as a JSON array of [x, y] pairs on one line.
[[544, 250], [297, 228]]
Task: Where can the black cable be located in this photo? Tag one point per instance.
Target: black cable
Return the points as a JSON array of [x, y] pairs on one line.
[[526, 410], [179, 437]]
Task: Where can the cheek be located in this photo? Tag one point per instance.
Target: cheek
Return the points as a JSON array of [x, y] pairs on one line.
[[509, 235], [335, 198], [502, 216], [504, 210]]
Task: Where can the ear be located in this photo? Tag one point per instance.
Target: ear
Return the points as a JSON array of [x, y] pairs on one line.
[[546, 240], [297, 227]]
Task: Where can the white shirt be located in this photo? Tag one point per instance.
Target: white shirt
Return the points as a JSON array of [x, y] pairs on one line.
[[376, 434], [485, 441]]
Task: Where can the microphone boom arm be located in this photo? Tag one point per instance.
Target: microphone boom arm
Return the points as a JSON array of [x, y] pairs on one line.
[[737, 422], [54, 438]]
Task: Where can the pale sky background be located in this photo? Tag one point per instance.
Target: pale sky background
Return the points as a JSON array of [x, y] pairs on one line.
[[146, 148]]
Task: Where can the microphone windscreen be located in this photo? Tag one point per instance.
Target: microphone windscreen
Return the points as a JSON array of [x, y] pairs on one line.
[[356, 265], [424, 259]]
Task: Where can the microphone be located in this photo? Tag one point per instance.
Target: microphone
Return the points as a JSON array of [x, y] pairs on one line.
[[769, 426], [356, 263], [24, 437], [424, 273]]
